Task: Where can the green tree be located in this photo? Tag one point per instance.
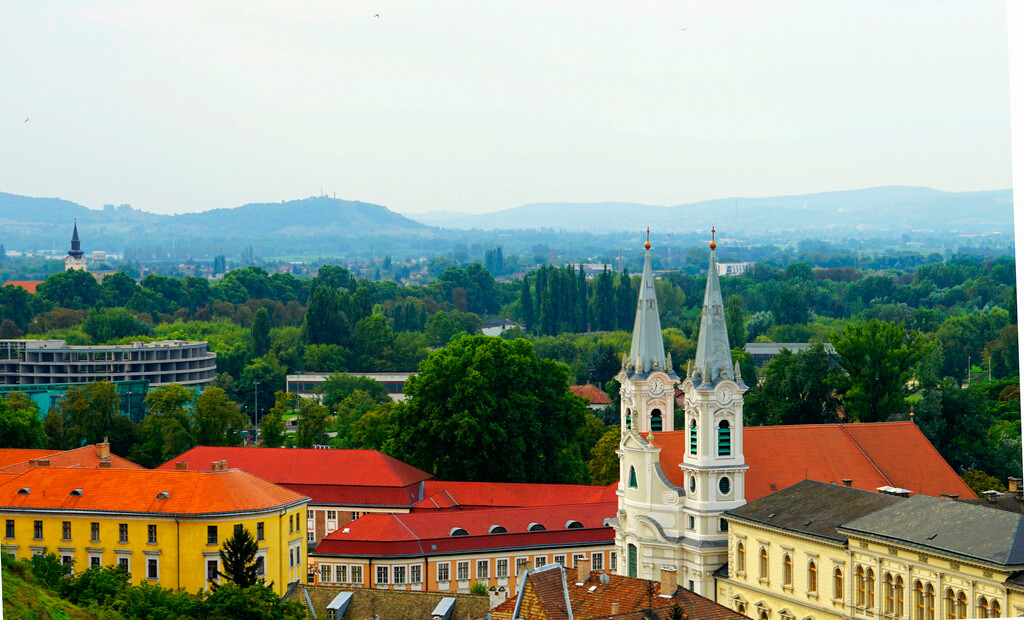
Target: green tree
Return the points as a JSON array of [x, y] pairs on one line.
[[91, 414], [71, 289], [325, 323], [796, 390], [20, 426], [218, 420], [312, 424], [105, 325], [325, 358], [170, 427], [980, 482], [373, 341], [877, 360], [340, 386], [734, 322], [373, 429], [488, 409], [260, 332], [604, 463], [238, 558]]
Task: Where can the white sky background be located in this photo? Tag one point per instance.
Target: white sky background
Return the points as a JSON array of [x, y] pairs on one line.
[[483, 105]]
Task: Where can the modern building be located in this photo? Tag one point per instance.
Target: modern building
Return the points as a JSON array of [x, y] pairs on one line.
[[764, 352], [48, 362], [675, 486], [308, 384], [46, 396], [164, 527], [824, 551], [732, 269]]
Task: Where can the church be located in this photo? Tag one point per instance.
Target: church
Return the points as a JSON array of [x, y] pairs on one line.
[[675, 485]]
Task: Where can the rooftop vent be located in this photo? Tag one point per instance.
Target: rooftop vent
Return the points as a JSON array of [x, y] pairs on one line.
[[163, 495], [24, 491], [458, 531], [76, 493], [536, 527], [497, 529], [573, 525]]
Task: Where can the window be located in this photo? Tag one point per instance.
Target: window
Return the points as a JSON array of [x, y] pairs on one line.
[[693, 436], [67, 560], [837, 584], [629, 418], [890, 592], [382, 574], [462, 571], [238, 529], [787, 571], [724, 438], [9, 530], [597, 561], [961, 605], [310, 536], [741, 559], [442, 571], [332, 515], [693, 484], [994, 610], [691, 523], [860, 586], [812, 577], [122, 563], [211, 534], [309, 514], [94, 532], [576, 557], [65, 530], [122, 532], [521, 565], [559, 559], [723, 525], [656, 420], [501, 568], [94, 560], [212, 570], [291, 524], [898, 596], [355, 515], [983, 607], [724, 486], [261, 566], [341, 572], [540, 560], [152, 533], [357, 574], [631, 549], [870, 579], [483, 569], [763, 565], [416, 573], [632, 477], [152, 568], [325, 572], [259, 530], [399, 575], [37, 530], [613, 561], [950, 604]]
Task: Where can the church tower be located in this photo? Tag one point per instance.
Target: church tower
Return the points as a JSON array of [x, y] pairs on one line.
[[76, 257], [675, 484]]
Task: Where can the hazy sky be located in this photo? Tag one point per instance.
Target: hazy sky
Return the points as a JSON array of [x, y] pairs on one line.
[[483, 105]]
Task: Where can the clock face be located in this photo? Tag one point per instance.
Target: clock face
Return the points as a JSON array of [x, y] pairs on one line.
[[723, 395], [656, 386]]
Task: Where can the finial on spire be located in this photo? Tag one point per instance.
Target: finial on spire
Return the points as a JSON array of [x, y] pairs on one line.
[[713, 245], [647, 244]]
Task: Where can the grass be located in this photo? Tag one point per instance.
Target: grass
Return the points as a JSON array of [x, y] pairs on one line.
[[24, 600]]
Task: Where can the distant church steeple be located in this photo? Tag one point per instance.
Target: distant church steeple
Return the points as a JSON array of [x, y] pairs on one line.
[[76, 244], [75, 260]]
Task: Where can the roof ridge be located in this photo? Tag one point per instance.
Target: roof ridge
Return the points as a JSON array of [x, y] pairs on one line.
[[880, 472], [419, 543]]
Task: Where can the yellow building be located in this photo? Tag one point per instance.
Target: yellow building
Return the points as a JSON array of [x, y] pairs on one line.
[[818, 551], [164, 527]]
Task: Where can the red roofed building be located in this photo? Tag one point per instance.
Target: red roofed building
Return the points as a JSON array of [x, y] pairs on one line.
[[28, 285], [595, 396], [97, 456], [442, 495], [450, 551]]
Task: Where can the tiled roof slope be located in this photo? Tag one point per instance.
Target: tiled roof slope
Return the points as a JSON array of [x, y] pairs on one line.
[[400, 604], [28, 285], [136, 490], [813, 508], [451, 494], [431, 531], [591, 393], [974, 532], [781, 456], [84, 457], [10, 456]]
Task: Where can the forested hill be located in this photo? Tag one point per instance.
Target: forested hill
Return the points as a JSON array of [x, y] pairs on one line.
[[882, 209]]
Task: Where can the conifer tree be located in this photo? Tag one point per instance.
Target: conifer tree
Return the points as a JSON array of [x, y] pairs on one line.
[[238, 558]]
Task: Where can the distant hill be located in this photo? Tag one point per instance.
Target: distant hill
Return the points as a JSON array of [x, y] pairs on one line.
[[882, 209]]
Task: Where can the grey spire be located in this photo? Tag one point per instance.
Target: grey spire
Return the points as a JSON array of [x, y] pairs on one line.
[[76, 244], [647, 348], [713, 353]]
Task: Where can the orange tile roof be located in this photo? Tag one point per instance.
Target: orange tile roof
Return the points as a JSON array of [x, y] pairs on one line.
[[10, 456], [592, 393], [872, 455], [86, 456], [136, 490], [28, 285], [451, 494]]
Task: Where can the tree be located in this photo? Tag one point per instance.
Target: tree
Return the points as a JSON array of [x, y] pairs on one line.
[[170, 427], [90, 413], [325, 322], [796, 390], [260, 332], [312, 424], [106, 325], [20, 426], [734, 324], [877, 360], [217, 418], [340, 386], [488, 409], [604, 463], [71, 289], [238, 558]]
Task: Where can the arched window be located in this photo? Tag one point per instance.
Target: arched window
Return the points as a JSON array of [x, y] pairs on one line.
[[870, 579], [961, 604], [929, 602], [812, 577], [918, 601], [764, 615], [724, 438], [656, 420], [741, 559], [632, 560], [741, 608], [837, 584], [898, 595], [983, 607], [763, 566], [629, 418], [994, 610], [860, 586], [950, 604], [889, 592], [787, 571], [632, 478], [693, 436]]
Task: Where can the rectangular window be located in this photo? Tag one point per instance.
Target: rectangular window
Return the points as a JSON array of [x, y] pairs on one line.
[[212, 570], [152, 533], [291, 524], [325, 573], [576, 557], [65, 530], [9, 531], [462, 571], [211, 534], [259, 531], [37, 530], [399, 575], [332, 515], [357, 575], [613, 561], [382, 574], [152, 571], [442, 571], [67, 560], [341, 572], [597, 561], [501, 568], [238, 529], [122, 562], [355, 515], [94, 561], [309, 514], [540, 560], [560, 559], [310, 536], [415, 573], [521, 565], [483, 569], [261, 566], [122, 532], [94, 532]]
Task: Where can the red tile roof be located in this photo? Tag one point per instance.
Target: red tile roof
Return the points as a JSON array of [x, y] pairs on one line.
[[28, 285], [86, 456], [136, 490], [451, 494], [430, 531], [591, 393], [872, 455]]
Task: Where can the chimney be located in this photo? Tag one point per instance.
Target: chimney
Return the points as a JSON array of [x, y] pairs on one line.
[[1014, 486], [614, 610], [106, 465], [103, 450], [39, 462], [220, 465], [582, 570], [847, 482], [950, 495], [181, 466], [668, 580]]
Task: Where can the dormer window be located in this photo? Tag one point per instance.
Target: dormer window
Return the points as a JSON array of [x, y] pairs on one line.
[[458, 531], [163, 495], [24, 491], [497, 529], [76, 493], [573, 525], [536, 527]]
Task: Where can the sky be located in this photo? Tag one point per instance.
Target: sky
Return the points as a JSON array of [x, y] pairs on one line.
[[483, 105]]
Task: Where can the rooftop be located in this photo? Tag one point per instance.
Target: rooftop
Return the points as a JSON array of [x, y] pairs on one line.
[[453, 494], [85, 457], [593, 394]]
